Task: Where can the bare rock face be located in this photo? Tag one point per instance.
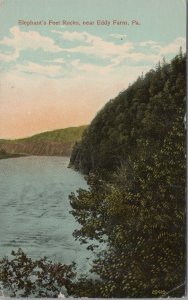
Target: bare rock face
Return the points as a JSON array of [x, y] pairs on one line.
[[46, 148]]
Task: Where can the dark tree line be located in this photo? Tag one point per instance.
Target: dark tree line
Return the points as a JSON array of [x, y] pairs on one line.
[[146, 110]]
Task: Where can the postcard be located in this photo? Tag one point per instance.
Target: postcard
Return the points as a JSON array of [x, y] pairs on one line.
[[93, 149]]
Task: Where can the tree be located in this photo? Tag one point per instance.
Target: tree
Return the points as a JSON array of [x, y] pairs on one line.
[[142, 214], [145, 109], [23, 277], [146, 254]]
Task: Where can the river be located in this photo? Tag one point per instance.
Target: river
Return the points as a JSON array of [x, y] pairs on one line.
[[34, 209]]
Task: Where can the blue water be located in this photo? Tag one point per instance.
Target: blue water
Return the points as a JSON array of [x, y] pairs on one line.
[[34, 209]]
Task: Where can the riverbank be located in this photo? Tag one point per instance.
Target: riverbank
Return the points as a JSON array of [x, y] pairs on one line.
[[9, 155]]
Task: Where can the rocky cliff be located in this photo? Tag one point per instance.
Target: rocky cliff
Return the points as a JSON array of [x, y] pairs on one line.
[[39, 148]]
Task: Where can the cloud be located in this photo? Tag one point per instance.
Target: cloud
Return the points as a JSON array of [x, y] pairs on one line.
[[92, 45], [73, 35], [103, 49], [9, 57], [173, 47], [57, 60], [47, 70], [109, 54], [91, 68], [21, 40], [151, 44], [83, 36], [116, 54], [118, 36]]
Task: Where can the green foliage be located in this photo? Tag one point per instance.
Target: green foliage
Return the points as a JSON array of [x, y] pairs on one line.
[[85, 287], [90, 211], [142, 213], [147, 248], [139, 211], [23, 277], [145, 110]]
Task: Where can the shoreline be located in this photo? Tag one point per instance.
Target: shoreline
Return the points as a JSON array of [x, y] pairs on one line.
[[6, 156], [16, 155]]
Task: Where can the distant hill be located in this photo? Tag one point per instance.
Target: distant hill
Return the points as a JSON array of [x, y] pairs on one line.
[[57, 142]]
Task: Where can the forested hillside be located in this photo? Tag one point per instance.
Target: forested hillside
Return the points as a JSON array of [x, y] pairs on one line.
[[145, 111], [134, 153]]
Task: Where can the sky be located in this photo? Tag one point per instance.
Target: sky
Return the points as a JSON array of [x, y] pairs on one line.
[[62, 60]]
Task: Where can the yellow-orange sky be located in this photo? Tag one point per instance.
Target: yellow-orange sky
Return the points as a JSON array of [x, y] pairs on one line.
[[35, 104]]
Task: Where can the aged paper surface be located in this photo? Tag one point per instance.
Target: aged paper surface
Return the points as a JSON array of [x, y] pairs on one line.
[[92, 148]]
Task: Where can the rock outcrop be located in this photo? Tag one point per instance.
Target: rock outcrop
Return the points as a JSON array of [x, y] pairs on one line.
[[39, 148]]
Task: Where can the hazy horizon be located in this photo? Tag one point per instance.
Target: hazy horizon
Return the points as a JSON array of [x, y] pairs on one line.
[[59, 76], [40, 132]]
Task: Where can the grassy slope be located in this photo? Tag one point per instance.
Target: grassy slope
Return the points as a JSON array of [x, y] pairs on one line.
[[70, 134]]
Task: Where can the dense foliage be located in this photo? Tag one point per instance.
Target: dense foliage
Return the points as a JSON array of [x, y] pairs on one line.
[[145, 110], [23, 277], [139, 211]]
